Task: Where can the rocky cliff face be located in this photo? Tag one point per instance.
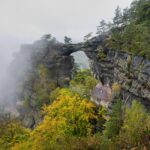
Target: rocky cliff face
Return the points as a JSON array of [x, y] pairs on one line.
[[131, 72], [24, 70], [109, 66], [133, 76]]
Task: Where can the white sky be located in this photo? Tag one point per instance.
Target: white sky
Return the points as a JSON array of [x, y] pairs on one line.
[[23, 21], [29, 19]]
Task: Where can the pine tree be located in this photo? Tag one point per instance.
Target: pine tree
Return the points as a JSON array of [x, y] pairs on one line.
[[102, 28], [117, 20], [67, 40], [88, 36], [113, 125], [136, 121]]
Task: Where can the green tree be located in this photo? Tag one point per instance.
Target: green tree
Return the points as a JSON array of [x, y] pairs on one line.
[[117, 20], [131, 29], [88, 36], [82, 83], [136, 121], [101, 28], [126, 16], [140, 11], [68, 116], [42, 86], [114, 123], [11, 132], [47, 37], [67, 40]]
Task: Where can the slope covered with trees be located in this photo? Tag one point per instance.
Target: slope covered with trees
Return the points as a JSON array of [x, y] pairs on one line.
[[71, 121], [68, 120], [130, 29]]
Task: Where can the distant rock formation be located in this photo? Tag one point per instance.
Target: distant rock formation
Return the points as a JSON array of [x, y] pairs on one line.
[[23, 72], [109, 66]]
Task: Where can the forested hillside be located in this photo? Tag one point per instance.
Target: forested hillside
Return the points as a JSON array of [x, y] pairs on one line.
[[55, 99], [130, 29], [71, 121]]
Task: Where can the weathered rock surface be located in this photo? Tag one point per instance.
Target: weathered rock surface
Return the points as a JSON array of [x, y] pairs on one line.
[[24, 72], [131, 72], [109, 66]]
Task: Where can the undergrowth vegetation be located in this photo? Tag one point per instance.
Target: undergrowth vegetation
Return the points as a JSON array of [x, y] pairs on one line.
[[72, 122], [130, 29]]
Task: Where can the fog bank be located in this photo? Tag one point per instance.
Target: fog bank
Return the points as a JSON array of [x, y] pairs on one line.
[[27, 20]]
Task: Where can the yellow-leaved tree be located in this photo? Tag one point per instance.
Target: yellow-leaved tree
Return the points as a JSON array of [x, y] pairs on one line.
[[135, 128], [69, 115], [11, 132]]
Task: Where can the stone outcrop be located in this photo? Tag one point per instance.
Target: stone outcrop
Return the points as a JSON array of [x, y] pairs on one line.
[[101, 95], [24, 74], [131, 72], [109, 66], [133, 76]]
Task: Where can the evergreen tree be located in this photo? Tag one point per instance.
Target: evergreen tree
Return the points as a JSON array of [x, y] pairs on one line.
[[126, 16], [113, 125], [88, 36], [136, 121], [117, 20], [47, 37], [67, 40], [102, 28]]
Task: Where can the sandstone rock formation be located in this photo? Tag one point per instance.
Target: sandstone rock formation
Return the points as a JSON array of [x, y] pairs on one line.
[[109, 66]]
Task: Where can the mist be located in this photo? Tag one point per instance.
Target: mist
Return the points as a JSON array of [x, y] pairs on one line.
[[27, 20]]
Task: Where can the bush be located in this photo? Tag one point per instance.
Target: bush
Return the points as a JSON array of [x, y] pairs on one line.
[[11, 132], [116, 89], [136, 121]]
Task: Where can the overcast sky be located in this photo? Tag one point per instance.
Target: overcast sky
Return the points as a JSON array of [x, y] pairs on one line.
[[29, 19], [23, 21]]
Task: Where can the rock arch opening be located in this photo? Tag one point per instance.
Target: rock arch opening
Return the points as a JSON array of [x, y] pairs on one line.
[[81, 59]]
